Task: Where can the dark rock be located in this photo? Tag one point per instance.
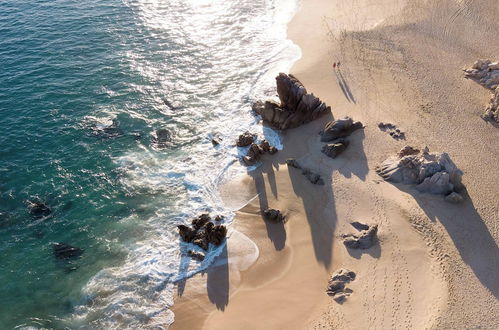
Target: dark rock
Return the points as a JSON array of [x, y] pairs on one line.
[[186, 233], [293, 163], [200, 221], [363, 240], [202, 242], [195, 255], [38, 209], [297, 106], [219, 218], [215, 141], [339, 128], [392, 130], [218, 234], [274, 215], [255, 151], [359, 226], [334, 149], [454, 198], [337, 285], [408, 150], [66, 251], [311, 176], [245, 139], [162, 138]]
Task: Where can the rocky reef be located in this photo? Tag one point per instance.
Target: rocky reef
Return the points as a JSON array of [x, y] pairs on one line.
[[203, 232], [336, 286], [297, 106], [364, 239], [433, 173], [65, 251], [486, 73]]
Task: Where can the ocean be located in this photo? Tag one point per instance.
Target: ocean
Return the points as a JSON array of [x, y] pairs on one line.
[[84, 88]]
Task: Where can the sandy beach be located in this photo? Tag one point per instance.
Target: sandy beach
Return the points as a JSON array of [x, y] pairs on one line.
[[436, 264]]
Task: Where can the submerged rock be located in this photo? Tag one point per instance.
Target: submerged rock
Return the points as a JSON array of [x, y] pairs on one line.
[[362, 240], [38, 210], [334, 149], [337, 284], [274, 215], [162, 138], [434, 173], [297, 107], [339, 128], [66, 251]]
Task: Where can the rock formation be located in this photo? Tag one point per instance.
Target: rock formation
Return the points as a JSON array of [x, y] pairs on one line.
[[274, 215], [162, 137], [195, 255], [314, 178], [433, 173], [486, 73], [65, 251], [256, 151], [339, 129], [362, 240], [297, 107], [203, 232], [392, 130], [38, 210], [334, 149], [336, 286], [245, 139]]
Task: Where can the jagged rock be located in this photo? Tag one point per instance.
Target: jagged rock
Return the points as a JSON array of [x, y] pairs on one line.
[[392, 130], [454, 198], [274, 215], [186, 233], [362, 240], [339, 128], [66, 251], [255, 151], [245, 139], [334, 149], [297, 106], [486, 73], [38, 209], [311, 176], [430, 172], [202, 242], [200, 221], [337, 284], [195, 255], [218, 234], [219, 218], [215, 141]]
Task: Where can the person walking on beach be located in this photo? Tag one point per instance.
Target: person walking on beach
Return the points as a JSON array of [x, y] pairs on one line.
[[338, 65], [334, 65]]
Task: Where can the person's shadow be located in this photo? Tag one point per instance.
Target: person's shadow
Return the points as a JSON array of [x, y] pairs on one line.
[[345, 88]]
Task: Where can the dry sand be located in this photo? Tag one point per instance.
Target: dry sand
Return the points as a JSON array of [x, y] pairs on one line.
[[436, 265]]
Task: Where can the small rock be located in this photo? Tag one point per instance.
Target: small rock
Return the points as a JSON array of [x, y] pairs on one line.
[[245, 139], [293, 163], [334, 149], [66, 251], [363, 240], [195, 255], [407, 150], [38, 210], [274, 215], [339, 128], [187, 234], [337, 285], [454, 198], [200, 221]]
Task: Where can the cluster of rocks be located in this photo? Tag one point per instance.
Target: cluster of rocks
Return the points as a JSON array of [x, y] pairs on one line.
[[296, 106], [274, 215], [255, 151], [38, 209], [314, 178], [392, 130], [246, 139], [433, 173], [486, 73], [337, 284], [364, 239], [203, 232], [335, 132]]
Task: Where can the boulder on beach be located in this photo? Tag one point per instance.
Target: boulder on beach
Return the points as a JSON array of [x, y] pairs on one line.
[[333, 150], [297, 107], [255, 152], [274, 215], [336, 286], [433, 173], [486, 73], [245, 139], [339, 129], [65, 251], [364, 239], [203, 231]]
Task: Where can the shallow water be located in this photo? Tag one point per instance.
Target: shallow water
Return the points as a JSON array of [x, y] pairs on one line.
[[83, 88]]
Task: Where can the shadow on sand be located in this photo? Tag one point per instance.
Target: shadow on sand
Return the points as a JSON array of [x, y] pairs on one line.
[[344, 86]]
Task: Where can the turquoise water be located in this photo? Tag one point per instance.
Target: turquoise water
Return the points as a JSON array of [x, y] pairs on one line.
[[68, 70]]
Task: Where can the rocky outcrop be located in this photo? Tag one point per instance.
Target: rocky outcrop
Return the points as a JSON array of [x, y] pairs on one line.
[[336, 286], [486, 73], [274, 215], [256, 151], [339, 129], [392, 130], [297, 107], [364, 239], [334, 149], [65, 251], [203, 232], [162, 138], [314, 178], [38, 210], [433, 173], [245, 139]]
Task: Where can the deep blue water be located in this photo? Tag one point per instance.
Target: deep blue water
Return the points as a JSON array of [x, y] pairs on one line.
[[68, 70]]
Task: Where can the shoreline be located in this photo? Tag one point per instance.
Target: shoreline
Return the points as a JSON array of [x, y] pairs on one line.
[[411, 279]]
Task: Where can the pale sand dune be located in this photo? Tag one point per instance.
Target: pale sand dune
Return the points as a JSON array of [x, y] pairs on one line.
[[437, 264]]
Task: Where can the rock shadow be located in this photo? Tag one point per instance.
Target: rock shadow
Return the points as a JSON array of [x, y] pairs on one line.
[[275, 231], [354, 158], [466, 228], [374, 251], [217, 281]]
